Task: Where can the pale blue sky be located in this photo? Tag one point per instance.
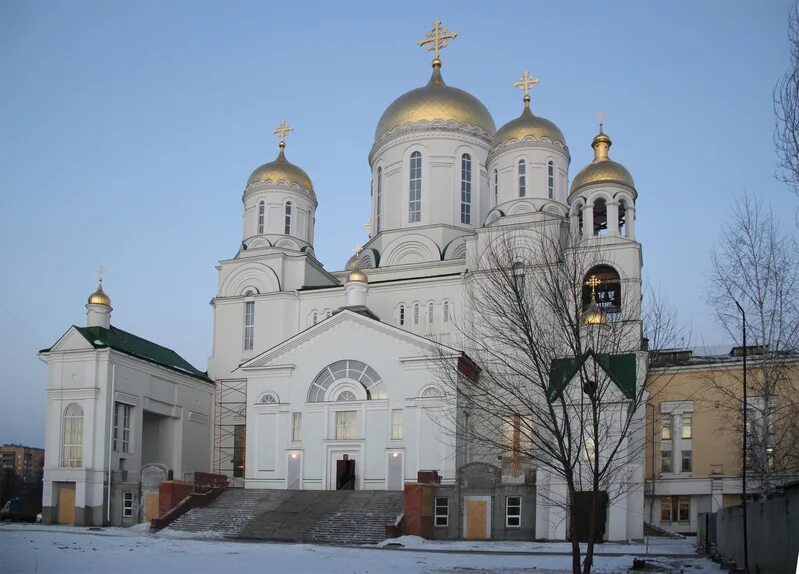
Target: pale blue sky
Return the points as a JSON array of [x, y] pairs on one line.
[[128, 130]]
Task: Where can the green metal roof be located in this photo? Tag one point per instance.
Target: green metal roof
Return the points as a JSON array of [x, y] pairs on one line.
[[124, 342], [620, 368]]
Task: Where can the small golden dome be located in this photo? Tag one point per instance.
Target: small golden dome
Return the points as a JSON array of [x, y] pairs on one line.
[[99, 297], [435, 101], [593, 315], [528, 125], [602, 169], [354, 268], [281, 171]]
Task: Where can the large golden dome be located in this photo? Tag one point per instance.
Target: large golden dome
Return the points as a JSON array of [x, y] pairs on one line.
[[528, 125], [602, 169], [281, 171], [435, 101]]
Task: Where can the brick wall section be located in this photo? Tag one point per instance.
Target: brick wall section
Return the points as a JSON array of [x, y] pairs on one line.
[[418, 504], [170, 493]]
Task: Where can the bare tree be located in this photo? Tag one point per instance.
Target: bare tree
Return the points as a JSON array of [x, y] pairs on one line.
[[562, 379], [757, 266], [786, 110]]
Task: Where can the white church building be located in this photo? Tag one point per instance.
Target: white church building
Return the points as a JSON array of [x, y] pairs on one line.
[[328, 380]]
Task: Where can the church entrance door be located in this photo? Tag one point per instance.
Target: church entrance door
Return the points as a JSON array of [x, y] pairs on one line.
[[477, 519], [66, 504], [345, 474]]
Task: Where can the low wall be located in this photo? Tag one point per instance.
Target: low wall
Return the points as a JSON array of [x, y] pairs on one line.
[[772, 527]]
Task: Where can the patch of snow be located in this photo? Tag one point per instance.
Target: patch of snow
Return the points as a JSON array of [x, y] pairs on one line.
[[182, 534], [141, 528]]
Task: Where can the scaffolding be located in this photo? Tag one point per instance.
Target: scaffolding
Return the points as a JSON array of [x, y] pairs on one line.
[[230, 420]]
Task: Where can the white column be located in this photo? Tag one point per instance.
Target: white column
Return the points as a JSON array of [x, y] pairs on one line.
[[613, 218], [629, 222], [588, 221]]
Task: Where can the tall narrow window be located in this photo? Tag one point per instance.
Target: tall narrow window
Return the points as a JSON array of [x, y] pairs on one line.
[[686, 419], [513, 511], [315, 317], [496, 187], [466, 188], [415, 189], [665, 508], [122, 427], [416, 313], [72, 456], [249, 324], [442, 511], [239, 450], [685, 461], [522, 178], [127, 504], [396, 424], [665, 428], [430, 310], [287, 224], [551, 179], [402, 314], [379, 199], [665, 461], [518, 277], [296, 426], [445, 312], [261, 208]]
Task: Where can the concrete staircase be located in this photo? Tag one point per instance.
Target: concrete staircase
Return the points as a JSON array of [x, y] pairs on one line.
[[338, 517]]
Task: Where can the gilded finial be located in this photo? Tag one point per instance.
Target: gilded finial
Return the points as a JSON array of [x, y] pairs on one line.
[[526, 83], [99, 297], [601, 142], [100, 271], [282, 131], [437, 39], [357, 250], [601, 118]]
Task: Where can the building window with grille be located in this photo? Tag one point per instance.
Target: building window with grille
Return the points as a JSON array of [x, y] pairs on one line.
[[402, 314], [442, 511], [378, 199], [445, 312], [296, 427], [513, 511], [261, 209], [127, 504], [396, 424], [551, 179], [665, 427], [415, 189], [72, 454], [466, 188], [665, 461], [684, 508], [665, 509], [122, 427], [685, 461], [686, 420], [416, 313], [287, 219], [249, 325], [430, 311], [522, 178], [346, 425]]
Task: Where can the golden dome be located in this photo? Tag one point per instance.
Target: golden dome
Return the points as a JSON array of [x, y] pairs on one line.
[[281, 171], [99, 297], [528, 125], [435, 101], [354, 268], [593, 315], [602, 169]]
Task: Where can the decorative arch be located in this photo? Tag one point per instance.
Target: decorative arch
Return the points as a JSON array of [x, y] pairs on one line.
[[606, 292], [72, 439], [521, 207], [254, 275], [258, 243], [343, 375], [412, 248], [268, 398], [287, 243], [431, 392], [455, 249], [493, 215]]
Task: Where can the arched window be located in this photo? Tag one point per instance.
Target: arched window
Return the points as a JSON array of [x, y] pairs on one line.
[[496, 187], [415, 189], [261, 208], [315, 317], [346, 396], [578, 217], [287, 224], [551, 179], [269, 399], [622, 218], [603, 282], [379, 199], [416, 313], [72, 454], [445, 312], [402, 314], [430, 309], [600, 218], [327, 314], [466, 188], [355, 373], [522, 178], [431, 392], [518, 276], [249, 324]]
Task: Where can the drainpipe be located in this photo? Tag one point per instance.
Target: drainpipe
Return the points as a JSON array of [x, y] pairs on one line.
[[654, 474], [111, 439]]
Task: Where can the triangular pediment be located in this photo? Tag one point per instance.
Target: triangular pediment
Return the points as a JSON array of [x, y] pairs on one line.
[[620, 368], [336, 322], [72, 340]]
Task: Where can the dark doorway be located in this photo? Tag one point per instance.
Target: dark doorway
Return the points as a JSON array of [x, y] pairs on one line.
[[580, 527], [345, 474]]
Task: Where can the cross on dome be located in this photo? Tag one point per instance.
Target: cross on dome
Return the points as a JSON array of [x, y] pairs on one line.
[[357, 250], [100, 271], [593, 282], [601, 117], [281, 131], [437, 39], [526, 83]]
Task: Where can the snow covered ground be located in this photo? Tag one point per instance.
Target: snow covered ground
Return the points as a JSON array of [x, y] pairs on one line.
[[63, 550]]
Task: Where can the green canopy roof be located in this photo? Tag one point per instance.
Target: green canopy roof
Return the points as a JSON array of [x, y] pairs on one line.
[[620, 368]]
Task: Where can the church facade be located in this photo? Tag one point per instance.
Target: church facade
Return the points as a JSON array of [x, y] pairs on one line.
[[329, 380]]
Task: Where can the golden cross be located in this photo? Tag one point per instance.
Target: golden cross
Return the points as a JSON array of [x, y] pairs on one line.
[[593, 282], [437, 38], [100, 271], [527, 82], [282, 131], [357, 250], [601, 117]]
